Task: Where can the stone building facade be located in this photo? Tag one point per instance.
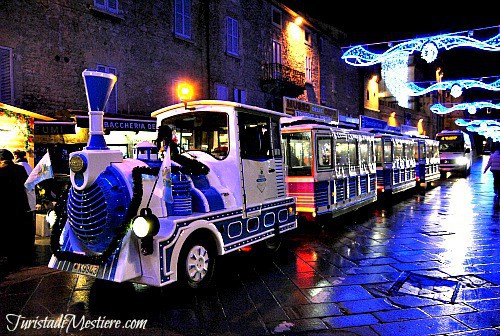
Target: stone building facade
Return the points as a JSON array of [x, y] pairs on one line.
[[226, 49]]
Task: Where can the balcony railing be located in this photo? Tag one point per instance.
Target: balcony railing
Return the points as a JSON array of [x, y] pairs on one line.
[[280, 79]]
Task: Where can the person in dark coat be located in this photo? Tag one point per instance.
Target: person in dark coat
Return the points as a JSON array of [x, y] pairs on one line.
[[18, 231]]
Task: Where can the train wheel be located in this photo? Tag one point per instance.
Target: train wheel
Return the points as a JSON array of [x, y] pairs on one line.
[[268, 246], [196, 263], [273, 244]]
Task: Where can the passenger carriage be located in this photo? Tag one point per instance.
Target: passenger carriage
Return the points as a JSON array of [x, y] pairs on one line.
[[427, 161], [218, 187], [395, 160], [330, 170]]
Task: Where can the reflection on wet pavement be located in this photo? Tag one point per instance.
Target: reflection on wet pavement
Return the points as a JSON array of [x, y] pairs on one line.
[[415, 264]]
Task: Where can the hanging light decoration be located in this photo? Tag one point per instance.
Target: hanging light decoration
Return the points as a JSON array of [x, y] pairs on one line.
[[394, 62], [470, 107]]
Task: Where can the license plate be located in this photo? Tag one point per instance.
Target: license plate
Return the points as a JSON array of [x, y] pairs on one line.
[[86, 269]]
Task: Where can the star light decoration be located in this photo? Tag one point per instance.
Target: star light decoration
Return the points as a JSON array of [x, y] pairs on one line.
[[394, 63], [487, 128]]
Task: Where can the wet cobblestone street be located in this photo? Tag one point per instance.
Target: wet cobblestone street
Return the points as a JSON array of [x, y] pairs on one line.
[[417, 264]]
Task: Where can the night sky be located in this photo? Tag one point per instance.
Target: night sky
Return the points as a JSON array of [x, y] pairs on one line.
[[378, 22]]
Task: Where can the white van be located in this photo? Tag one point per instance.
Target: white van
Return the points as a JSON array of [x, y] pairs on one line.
[[455, 152]]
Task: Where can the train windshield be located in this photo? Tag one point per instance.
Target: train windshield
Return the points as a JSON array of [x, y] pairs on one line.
[[298, 153], [450, 143], [201, 131]]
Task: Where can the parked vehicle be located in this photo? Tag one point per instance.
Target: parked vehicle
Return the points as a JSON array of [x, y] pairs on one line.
[[455, 152], [330, 170], [219, 187]]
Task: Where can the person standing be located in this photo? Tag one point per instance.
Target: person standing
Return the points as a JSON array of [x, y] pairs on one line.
[[18, 231], [20, 159], [494, 166]]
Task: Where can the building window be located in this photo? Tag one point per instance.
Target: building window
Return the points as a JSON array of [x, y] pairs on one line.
[[240, 96], [308, 69], [307, 36], [109, 5], [276, 52], [112, 106], [222, 93], [6, 87], [183, 18], [276, 17], [276, 59], [232, 36], [321, 44]]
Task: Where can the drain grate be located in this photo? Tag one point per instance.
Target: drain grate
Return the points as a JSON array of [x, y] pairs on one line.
[[426, 286]]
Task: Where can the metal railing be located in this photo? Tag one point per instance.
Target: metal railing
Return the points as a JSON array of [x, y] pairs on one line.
[[280, 72]]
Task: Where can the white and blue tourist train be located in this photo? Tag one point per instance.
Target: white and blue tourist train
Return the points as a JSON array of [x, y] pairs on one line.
[[219, 187]]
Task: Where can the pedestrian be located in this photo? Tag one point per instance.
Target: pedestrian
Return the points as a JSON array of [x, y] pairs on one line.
[[494, 166], [20, 159], [19, 230]]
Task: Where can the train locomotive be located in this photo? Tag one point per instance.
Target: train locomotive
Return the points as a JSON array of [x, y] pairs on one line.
[[218, 186]]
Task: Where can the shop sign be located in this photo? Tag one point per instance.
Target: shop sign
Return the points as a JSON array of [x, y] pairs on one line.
[[301, 108], [52, 128], [117, 124]]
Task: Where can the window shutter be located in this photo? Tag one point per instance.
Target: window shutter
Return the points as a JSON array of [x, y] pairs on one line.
[[113, 5], [222, 92], [5, 76]]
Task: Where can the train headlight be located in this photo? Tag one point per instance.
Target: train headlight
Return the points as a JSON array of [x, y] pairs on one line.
[[462, 161], [51, 218], [145, 224]]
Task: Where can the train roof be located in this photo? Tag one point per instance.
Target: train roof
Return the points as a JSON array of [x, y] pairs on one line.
[[307, 124], [201, 104]]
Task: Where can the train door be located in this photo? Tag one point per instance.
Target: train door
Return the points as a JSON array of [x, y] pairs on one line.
[[259, 142]]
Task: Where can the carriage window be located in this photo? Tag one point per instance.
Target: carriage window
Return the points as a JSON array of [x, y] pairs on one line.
[[324, 146], [379, 156], [436, 151], [298, 153], [255, 136], [201, 131], [421, 150], [353, 152], [388, 150], [364, 157], [408, 151], [430, 151], [341, 153], [398, 151]]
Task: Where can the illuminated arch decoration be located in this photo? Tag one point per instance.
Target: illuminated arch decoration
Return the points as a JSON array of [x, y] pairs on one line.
[[456, 87], [470, 107], [396, 75]]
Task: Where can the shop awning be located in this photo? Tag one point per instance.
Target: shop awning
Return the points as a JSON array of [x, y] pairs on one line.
[[25, 112], [121, 124]]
